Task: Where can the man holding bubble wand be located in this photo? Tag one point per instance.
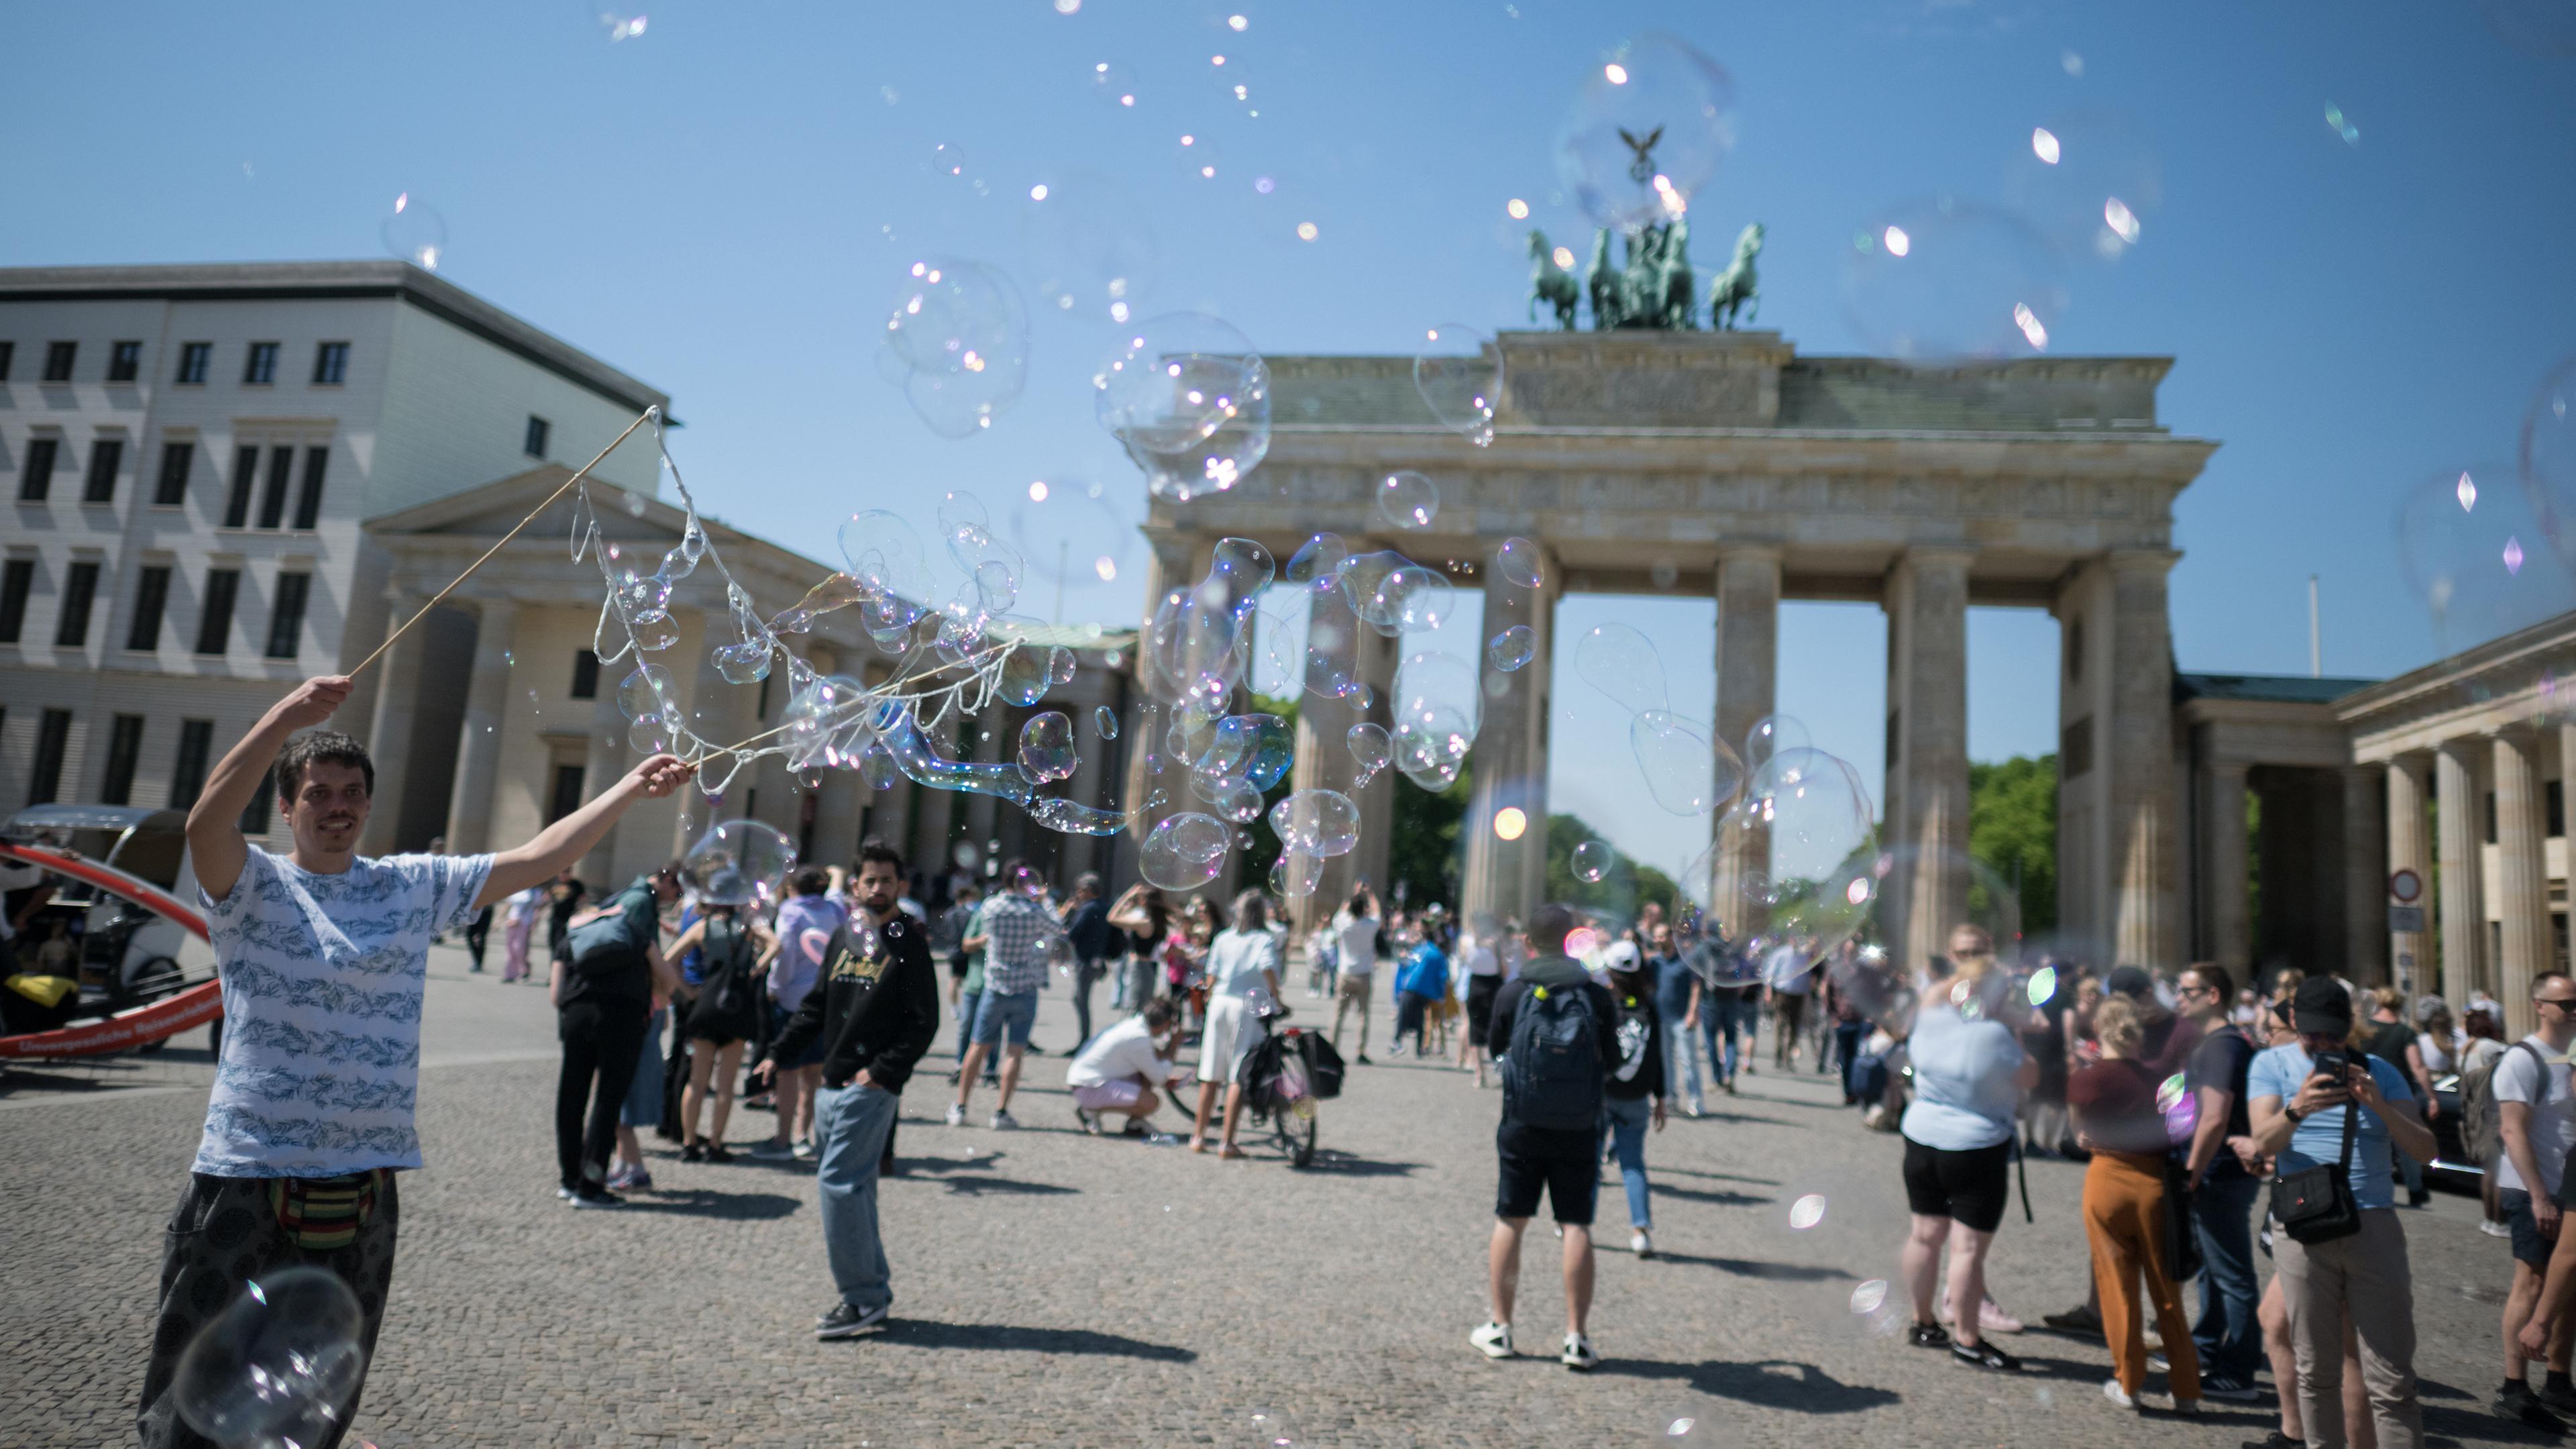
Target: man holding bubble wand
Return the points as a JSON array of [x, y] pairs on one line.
[[323, 955]]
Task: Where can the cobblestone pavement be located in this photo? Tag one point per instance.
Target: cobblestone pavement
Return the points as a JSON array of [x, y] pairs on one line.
[[1055, 1289]]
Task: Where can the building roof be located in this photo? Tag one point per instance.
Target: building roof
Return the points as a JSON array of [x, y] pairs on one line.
[[2265, 688], [301, 281]]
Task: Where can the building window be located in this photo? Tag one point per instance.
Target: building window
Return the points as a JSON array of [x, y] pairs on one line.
[[237, 501], [215, 623], [80, 590], [188, 772], [151, 600], [194, 358], [260, 368], [2075, 749], [535, 445], [585, 674], [58, 360], [124, 361], [106, 456], [272, 498], [330, 364], [8, 354], [286, 620], [36, 475], [17, 579], [254, 816], [172, 490], [567, 796], [124, 748], [53, 737], [308, 499]]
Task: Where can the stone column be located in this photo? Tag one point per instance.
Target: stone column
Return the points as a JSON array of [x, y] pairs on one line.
[[984, 735], [1748, 651], [1375, 667], [2138, 753], [1927, 794], [2409, 951], [1324, 759], [478, 739], [604, 760], [936, 811], [2223, 846], [389, 733], [1510, 758], [2462, 843], [2365, 912], [1174, 560], [2522, 876]]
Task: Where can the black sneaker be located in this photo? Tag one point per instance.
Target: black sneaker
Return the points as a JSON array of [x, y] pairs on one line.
[[2276, 1440], [1985, 1355], [2079, 1319], [586, 1196], [693, 1153], [2516, 1402], [1363, 1060], [2220, 1386], [848, 1321], [716, 1153], [2561, 1397], [1928, 1335]]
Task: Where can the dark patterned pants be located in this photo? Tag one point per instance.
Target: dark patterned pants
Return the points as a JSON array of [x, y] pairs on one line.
[[223, 1236]]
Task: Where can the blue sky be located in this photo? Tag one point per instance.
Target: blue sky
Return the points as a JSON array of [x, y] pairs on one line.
[[724, 205]]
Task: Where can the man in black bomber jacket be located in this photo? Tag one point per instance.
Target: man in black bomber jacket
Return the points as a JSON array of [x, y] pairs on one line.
[[875, 1009]]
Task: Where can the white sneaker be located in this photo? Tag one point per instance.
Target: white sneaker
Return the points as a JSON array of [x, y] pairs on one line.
[[1005, 1122], [2495, 1229], [2111, 1390], [1695, 1109], [1494, 1340], [1578, 1354], [956, 1115], [1640, 1245]]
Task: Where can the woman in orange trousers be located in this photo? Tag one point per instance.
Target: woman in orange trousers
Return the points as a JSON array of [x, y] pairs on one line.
[[2124, 1207]]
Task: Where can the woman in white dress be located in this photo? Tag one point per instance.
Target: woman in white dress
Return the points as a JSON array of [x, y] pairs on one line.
[[1242, 978]]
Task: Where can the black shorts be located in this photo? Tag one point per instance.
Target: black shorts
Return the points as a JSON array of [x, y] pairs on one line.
[[1566, 1164], [2528, 1245], [1966, 1187], [1481, 991]]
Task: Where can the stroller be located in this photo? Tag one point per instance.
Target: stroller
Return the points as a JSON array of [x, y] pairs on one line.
[[1284, 1077]]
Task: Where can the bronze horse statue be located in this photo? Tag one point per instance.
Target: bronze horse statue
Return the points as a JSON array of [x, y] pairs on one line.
[[1733, 297], [1551, 283]]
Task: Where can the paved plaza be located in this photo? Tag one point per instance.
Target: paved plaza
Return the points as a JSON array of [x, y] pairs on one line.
[[1056, 1289]]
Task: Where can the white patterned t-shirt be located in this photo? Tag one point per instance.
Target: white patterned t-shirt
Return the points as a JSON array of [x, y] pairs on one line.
[[322, 979]]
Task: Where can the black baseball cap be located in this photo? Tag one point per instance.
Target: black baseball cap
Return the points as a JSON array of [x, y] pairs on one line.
[[2321, 1006], [2130, 981]]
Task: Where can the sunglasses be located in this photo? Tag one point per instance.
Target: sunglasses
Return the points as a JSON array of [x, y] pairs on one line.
[[2561, 1002]]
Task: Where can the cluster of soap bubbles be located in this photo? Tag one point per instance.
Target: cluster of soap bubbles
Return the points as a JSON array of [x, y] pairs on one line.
[[1951, 276], [2491, 548], [950, 660]]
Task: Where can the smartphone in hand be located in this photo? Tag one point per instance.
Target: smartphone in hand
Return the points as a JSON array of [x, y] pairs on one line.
[[2334, 1062]]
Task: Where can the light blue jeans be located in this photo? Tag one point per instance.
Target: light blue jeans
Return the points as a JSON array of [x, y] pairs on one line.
[[1623, 1130], [1681, 1045], [1720, 1014], [851, 1124]]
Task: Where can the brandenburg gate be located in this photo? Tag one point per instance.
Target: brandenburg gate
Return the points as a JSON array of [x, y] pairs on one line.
[[1669, 462]]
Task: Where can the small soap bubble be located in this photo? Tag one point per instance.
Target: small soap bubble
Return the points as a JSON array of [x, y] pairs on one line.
[[1592, 860], [1407, 499], [415, 232], [1807, 1211], [1869, 1296], [2043, 986], [1459, 374], [1369, 748], [1770, 735], [1622, 663], [739, 863], [1046, 747], [1512, 648], [1518, 562], [1105, 720], [1184, 852]]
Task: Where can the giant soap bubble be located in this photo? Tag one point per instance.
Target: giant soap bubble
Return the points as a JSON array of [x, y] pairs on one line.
[[740, 863], [1622, 663], [1184, 852], [1945, 279], [2478, 557], [1094, 249], [1189, 398], [278, 1365], [1654, 120], [2088, 181], [961, 334]]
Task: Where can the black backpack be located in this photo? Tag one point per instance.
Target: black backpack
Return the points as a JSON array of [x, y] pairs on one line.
[[1552, 1072], [728, 996]]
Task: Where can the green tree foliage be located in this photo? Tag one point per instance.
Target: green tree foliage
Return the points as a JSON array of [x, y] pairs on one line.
[[1425, 851], [1618, 895], [1263, 852], [2012, 825]]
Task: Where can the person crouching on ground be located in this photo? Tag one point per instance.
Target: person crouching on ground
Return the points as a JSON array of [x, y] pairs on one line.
[[875, 1011], [1118, 1070], [1559, 1033]]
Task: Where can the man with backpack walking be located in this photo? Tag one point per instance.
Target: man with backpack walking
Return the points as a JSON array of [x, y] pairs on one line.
[[2536, 1122], [1559, 1031]]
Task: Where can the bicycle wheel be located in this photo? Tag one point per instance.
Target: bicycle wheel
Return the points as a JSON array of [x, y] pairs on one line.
[[1294, 1120]]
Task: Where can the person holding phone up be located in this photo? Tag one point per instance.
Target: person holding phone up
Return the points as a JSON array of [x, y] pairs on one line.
[[2318, 1101]]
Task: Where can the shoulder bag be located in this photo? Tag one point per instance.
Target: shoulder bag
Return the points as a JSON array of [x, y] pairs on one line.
[[2315, 1204]]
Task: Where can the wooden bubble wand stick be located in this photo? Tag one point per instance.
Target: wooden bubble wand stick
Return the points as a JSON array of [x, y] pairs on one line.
[[523, 523]]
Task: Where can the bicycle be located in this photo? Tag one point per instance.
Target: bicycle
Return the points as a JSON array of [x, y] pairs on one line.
[[1287, 1073]]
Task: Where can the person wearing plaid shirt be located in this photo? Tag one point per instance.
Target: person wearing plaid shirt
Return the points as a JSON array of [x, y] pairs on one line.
[[1020, 936]]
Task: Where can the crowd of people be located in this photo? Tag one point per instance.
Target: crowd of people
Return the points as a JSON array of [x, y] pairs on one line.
[[2183, 1095]]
